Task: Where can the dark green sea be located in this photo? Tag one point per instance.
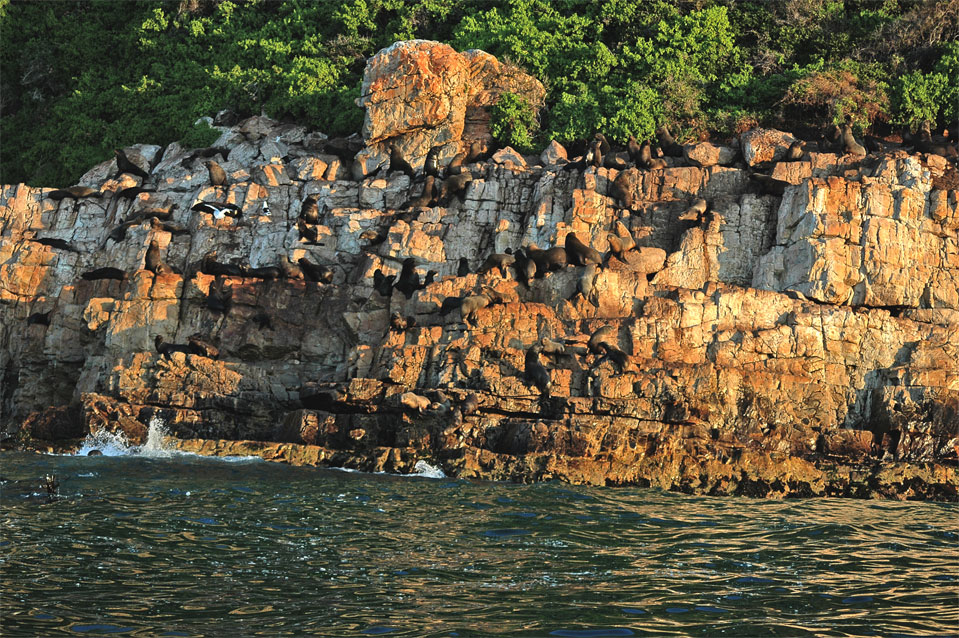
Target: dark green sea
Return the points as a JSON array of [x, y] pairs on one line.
[[190, 546]]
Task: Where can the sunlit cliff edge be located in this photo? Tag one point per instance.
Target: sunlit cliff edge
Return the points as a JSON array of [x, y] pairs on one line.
[[799, 338]]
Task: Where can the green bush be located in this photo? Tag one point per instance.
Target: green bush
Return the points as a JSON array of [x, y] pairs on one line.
[[513, 123], [118, 72], [200, 135]]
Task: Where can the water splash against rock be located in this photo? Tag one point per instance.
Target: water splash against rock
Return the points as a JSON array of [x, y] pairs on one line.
[[117, 444]]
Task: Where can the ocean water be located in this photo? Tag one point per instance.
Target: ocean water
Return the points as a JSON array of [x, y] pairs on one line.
[[152, 543]]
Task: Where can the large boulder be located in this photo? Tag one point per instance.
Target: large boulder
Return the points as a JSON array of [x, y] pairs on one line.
[[419, 94]]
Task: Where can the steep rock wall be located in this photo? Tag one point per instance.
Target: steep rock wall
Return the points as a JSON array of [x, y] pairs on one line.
[[835, 373]]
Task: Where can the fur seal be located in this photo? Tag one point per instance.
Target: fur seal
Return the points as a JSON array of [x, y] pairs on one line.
[[308, 232], [455, 167], [794, 152], [125, 165], [647, 160], [289, 269], [313, 272], [383, 284], [471, 304], [620, 243], [454, 185], [604, 147], [219, 298], [39, 318], [399, 163], [104, 273], [217, 174], [133, 191], [501, 261], [596, 161], [262, 320], [210, 266], [414, 402], [477, 152], [614, 354], [668, 143], [547, 261], [634, 150], [409, 280], [937, 145], [584, 286], [534, 372], [309, 211], [431, 165], [53, 242], [203, 348], [607, 334], [425, 198], [849, 143], [152, 260], [470, 404], [464, 267], [373, 237], [399, 323], [621, 189], [579, 254], [166, 350], [695, 210], [75, 192]]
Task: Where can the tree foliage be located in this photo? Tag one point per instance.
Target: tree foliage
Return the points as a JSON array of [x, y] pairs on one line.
[[81, 77]]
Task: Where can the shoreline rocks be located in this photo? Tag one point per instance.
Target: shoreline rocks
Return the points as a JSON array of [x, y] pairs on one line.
[[796, 336]]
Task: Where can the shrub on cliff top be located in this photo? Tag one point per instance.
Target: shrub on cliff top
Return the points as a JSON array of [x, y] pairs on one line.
[[120, 72]]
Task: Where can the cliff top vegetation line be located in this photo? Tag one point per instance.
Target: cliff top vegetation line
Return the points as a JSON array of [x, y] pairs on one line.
[[78, 79]]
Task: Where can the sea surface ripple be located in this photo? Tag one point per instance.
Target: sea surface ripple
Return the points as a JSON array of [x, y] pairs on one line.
[[187, 546]]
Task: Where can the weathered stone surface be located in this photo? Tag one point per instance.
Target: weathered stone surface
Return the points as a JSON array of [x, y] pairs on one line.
[[553, 154], [419, 94], [706, 154], [765, 145], [842, 353]]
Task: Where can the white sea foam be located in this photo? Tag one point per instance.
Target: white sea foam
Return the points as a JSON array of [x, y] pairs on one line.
[[422, 468], [117, 443]]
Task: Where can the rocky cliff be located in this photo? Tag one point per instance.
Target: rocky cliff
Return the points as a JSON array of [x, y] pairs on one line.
[[797, 336]]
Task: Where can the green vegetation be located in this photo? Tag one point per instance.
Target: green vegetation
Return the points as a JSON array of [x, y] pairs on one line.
[[79, 78]]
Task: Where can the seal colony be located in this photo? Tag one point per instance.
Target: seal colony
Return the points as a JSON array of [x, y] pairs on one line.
[[236, 258]]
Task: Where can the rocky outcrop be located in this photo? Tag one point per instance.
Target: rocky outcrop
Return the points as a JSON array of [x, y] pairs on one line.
[[419, 94], [795, 340]]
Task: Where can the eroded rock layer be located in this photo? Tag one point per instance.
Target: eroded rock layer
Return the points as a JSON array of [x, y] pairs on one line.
[[801, 337]]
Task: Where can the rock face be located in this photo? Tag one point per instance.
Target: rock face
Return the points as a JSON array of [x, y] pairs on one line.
[[419, 94], [796, 344]]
